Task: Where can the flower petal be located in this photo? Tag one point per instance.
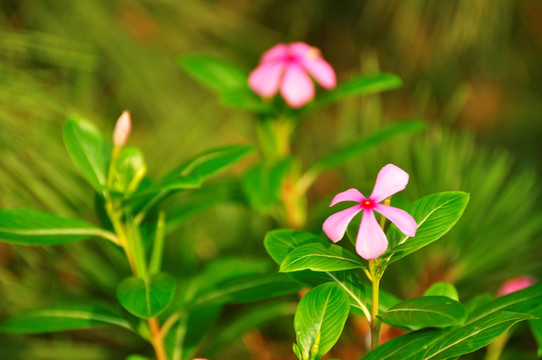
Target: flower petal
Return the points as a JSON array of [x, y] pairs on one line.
[[265, 79], [300, 49], [296, 88], [335, 225], [277, 52], [400, 218], [348, 195], [320, 70], [371, 241], [390, 180]]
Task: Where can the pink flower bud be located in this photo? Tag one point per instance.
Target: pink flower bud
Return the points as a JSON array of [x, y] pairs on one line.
[[516, 284], [122, 129]]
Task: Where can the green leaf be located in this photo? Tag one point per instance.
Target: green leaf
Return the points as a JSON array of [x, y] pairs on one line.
[[444, 344], [485, 324], [425, 312], [146, 297], [213, 73], [474, 335], [279, 243], [30, 227], [536, 328], [358, 86], [442, 289], [210, 162], [89, 151], [320, 318], [248, 320], [321, 257], [249, 288], [62, 318], [342, 154], [478, 302], [262, 183], [528, 300], [435, 215]]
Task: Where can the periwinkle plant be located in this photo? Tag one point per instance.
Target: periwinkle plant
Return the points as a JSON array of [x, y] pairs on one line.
[[440, 327]]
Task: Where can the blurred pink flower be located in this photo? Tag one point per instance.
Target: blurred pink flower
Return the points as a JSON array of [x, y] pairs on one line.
[[516, 284], [122, 129], [285, 66], [371, 242]]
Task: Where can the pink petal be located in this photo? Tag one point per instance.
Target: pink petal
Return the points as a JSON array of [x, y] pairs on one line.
[[348, 195], [300, 49], [390, 180], [400, 218], [515, 284], [265, 79], [297, 88], [320, 70], [277, 52], [335, 225], [371, 241]]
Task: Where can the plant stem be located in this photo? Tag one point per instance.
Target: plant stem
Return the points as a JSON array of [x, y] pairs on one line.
[[494, 350], [157, 339], [375, 322]]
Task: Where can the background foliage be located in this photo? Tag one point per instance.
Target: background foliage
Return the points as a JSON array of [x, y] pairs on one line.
[[470, 68]]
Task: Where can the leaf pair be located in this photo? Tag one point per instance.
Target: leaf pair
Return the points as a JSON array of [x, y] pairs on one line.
[[484, 324]]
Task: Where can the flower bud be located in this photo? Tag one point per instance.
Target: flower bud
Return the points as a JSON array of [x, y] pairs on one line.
[[122, 129]]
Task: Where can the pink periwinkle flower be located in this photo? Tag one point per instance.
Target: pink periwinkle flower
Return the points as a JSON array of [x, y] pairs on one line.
[[122, 129], [287, 67], [516, 284], [371, 242]]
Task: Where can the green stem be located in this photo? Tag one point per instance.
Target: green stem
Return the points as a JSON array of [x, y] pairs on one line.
[[375, 322], [158, 245], [495, 349]]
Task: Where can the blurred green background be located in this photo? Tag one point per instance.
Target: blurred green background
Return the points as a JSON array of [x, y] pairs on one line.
[[472, 69]]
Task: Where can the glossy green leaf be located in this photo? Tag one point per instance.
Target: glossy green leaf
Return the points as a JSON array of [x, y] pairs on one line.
[[344, 153], [213, 73], [262, 183], [358, 86], [536, 329], [321, 257], [30, 227], [485, 324], [473, 336], [249, 320], [426, 312], [445, 344], [320, 318], [528, 300], [89, 151], [442, 289], [279, 243], [210, 162], [62, 318], [249, 288], [435, 215], [146, 297], [478, 302]]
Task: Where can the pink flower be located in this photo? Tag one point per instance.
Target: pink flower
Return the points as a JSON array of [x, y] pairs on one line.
[[371, 241], [285, 66], [122, 129], [515, 284]]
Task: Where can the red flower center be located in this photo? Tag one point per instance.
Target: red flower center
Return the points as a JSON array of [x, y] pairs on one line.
[[367, 204]]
